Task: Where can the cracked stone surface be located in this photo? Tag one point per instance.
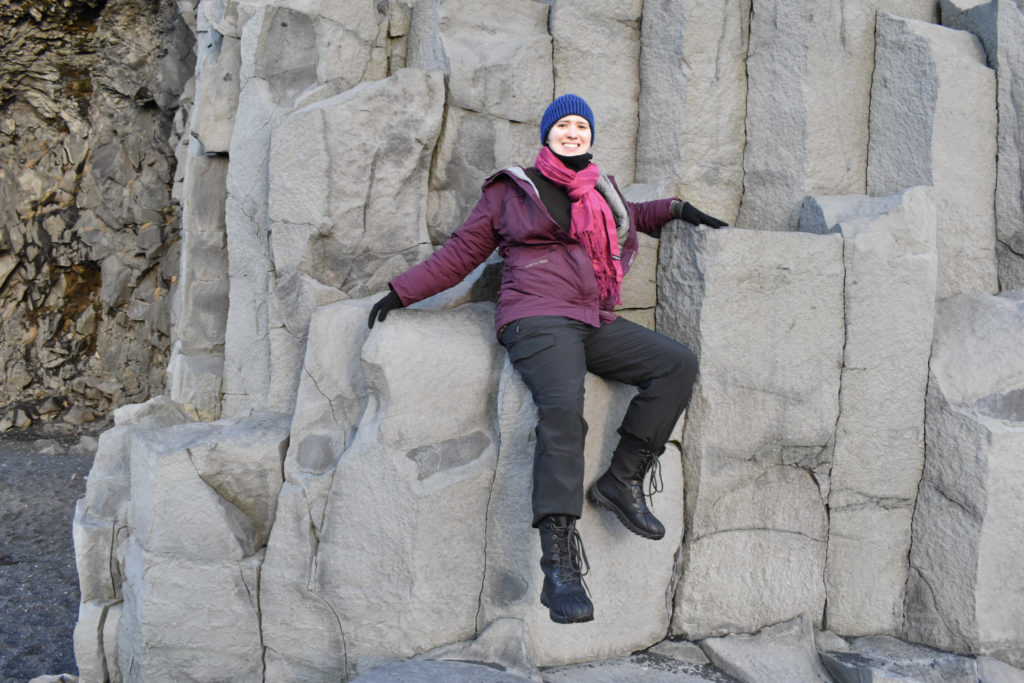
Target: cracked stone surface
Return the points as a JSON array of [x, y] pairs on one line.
[[764, 310], [889, 261], [802, 138], [921, 134], [964, 592], [999, 24], [380, 575], [363, 497]]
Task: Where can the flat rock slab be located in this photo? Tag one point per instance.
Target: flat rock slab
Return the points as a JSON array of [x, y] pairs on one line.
[[452, 672], [882, 658], [653, 668], [650, 668]]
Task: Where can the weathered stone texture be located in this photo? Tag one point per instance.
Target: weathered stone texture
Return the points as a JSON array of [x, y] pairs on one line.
[[999, 24], [100, 531], [510, 78], [693, 92], [631, 608], [890, 268], [784, 652], [196, 367], [471, 147], [597, 56], [933, 122], [346, 235], [879, 658], [219, 61], [966, 591], [172, 524], [764, 311], [809, 70], [289, 57], [89, 229], [443, 468], [365, 497]]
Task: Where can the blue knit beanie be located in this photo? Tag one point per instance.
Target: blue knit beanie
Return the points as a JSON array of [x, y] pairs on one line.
[[565, 106]]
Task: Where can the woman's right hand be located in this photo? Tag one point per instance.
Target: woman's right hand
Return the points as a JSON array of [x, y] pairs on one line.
[[381, 308]]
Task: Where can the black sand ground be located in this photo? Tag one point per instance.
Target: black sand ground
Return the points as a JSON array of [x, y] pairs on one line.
[[40, 481]]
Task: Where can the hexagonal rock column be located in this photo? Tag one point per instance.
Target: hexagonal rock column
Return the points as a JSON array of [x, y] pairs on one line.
[[100, 533], [631, 578], [809, 67], [196, 368], [1000, 26], [693, 94], [497, 91], [378, 552], [289, 58], [202, 501], [890, 265], [966, 588], [173, 522], [764, 311], [347, 204], [597, 56], [933, 122]]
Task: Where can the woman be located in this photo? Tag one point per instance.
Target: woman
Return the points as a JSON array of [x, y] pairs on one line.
[[567, 237]]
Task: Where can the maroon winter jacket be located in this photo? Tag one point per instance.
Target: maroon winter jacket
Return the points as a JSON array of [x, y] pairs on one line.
[[546, 271]]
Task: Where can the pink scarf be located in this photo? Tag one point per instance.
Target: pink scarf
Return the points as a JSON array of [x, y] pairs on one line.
[[592, 223]]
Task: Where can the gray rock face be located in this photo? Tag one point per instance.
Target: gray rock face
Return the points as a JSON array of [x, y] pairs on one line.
[[923, 134], [496, 94], [332, 238], [890, 268], [597, 56], [784, 652], [100, 534], [219, 61], [471, 147], [509, 79], [809, 90], [173, 524], [964, 593], [331, 226], [364, 496], [764, 311], [999, 24], [275, 80], [196, 367], [882, 658], [88, 243], [692, 115], [358, 564], [631, 608]]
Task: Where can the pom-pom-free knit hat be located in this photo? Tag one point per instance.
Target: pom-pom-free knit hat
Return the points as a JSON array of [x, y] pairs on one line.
[[564, 106]]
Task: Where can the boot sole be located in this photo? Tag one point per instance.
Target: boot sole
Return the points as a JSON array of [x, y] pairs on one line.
[[597, 498], [559, 619]]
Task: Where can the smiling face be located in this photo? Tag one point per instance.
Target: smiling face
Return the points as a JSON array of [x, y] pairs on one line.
[[570, 136]]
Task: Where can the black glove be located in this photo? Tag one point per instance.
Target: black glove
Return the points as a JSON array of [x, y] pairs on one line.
[[381, 308], [685, 211]]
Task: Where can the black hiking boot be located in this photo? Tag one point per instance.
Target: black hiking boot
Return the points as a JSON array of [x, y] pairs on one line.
[[564, 564], [621, 490]]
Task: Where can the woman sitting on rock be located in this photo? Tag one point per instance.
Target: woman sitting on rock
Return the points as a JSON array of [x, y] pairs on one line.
[[567, 237]]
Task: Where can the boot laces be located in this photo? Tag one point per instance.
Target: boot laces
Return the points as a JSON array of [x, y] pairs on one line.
[[656, 484], [573, 565]]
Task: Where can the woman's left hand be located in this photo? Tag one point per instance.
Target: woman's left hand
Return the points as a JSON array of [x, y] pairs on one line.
[[685, 211]]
